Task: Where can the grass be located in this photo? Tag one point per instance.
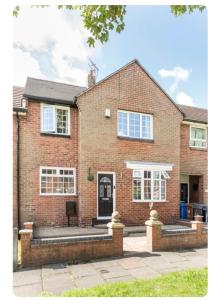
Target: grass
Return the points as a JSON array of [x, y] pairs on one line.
[[189, 283]]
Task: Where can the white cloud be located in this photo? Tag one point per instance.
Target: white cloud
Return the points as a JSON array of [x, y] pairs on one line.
[[61, 35], [178, 73], [25, 65], [185, 99]]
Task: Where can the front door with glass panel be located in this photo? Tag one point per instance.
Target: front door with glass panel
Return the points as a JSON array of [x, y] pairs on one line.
[[105, 195]]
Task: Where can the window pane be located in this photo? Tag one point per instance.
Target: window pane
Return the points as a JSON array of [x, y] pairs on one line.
[[48, 118], [137, 174], [146, 127], [61, 119], [157, 174], [134, 125], [147, 189], [137, 189], [147, 174], [163, 189], [156, 190], [122, 123]]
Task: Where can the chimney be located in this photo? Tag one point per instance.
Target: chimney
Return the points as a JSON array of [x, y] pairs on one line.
[[91, 78]]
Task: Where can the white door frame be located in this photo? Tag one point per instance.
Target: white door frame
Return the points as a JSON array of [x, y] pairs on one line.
[[114, 194]]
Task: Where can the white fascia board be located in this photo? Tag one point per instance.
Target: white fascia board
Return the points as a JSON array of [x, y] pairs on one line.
[[153, 166], [195, 124]]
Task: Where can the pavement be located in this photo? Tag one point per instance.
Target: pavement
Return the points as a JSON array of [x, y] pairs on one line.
[[135, 264]]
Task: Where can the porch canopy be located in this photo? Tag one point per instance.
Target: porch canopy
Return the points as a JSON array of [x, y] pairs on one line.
[[151, 166]]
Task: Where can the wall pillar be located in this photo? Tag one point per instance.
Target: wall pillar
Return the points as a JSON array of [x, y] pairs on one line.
[[153, 230], [116, 229], [26, 235]]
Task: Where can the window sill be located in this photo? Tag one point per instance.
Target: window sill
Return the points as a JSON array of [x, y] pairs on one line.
[[198, 148], [135, 139], [55, 134], [149, 201]]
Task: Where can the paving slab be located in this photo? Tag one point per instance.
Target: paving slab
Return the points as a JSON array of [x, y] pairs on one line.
[[82, 270], [104, 264], [115, 271], [143, 273], [131, 263], [30, 290], [89, 281], [26, 277], [52, 269], [58, 283], [120, 279]]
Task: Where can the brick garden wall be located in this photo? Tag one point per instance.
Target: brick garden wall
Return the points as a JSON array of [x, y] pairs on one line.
[[43, 150], [157, 240], [101, 150], [37, 254], [194, 162]]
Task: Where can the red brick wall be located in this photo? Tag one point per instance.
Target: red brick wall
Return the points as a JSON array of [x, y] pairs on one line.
[[101, 150], [159, 241], [14, 173], [39, 150], [40, 254], [194, 162]]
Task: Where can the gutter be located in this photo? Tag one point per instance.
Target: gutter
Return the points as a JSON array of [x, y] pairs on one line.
[[18, 167]]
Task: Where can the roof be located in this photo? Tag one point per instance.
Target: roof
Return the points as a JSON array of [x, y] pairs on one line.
[[51, 91], [194, 114], [17, 96], [134, 61]]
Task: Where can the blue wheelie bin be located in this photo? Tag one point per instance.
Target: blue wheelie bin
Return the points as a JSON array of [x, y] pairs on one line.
[[183, 210]]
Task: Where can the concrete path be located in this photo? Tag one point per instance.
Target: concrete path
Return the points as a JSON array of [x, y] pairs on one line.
[[135, 264]]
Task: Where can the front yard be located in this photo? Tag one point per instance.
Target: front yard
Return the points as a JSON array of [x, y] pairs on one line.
[[191, 283]]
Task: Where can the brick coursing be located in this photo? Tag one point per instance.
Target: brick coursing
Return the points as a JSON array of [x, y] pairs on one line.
[[94, 144], [40, 150], [101, 150], [40, 254]]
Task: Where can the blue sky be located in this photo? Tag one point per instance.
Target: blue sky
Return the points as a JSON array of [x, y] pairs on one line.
[[172, 49]]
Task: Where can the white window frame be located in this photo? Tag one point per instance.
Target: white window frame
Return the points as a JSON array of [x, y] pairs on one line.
[[166, 176], [57, 175], [200, 140], [55, 107], [128, 127]]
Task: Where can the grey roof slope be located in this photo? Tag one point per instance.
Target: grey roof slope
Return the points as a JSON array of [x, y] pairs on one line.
[[196, 114], [51, 91], [17, 96]]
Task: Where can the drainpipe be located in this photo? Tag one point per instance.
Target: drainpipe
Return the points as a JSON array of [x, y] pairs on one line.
[[18, 168]]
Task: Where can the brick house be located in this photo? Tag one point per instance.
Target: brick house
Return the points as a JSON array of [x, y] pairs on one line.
[[121, 143]]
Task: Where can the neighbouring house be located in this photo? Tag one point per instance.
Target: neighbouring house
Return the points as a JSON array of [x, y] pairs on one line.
[[119, 144]]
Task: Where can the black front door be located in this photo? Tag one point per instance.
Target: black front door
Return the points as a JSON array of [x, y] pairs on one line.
[[105, 195], [184, 192]]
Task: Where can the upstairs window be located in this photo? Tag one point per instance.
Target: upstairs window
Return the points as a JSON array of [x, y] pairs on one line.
[[149, 185], [198, 137], [55, 119], [135, 125], [57, 181]]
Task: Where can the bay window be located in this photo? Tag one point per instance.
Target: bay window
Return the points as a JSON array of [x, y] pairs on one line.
[[55, 119], [57, 181], [149, 185], [135, 125]]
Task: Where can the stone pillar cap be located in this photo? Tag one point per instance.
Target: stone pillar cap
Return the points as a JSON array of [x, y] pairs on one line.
[[115, 225], [23, 231]]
